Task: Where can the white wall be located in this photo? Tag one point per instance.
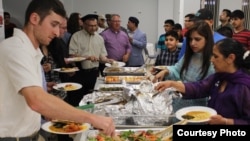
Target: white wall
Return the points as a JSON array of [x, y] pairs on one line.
[[151, 13], [165, 11], [144, 10], [16, 8], [230, 4]]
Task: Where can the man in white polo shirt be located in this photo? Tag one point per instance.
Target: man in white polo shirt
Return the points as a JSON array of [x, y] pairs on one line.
[[22, 98]]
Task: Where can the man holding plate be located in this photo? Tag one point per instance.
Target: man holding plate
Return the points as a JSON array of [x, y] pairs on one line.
[[87, 43], [22, 98]]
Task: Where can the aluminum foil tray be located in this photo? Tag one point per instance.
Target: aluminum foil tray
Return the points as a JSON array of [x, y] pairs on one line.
[[134, 71], [127, 79]]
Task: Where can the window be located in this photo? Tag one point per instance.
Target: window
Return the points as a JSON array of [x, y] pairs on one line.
[[246, 9], [212, 5]]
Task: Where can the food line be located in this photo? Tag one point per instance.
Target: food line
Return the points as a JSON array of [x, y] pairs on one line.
[[113, 91], [114, 79]]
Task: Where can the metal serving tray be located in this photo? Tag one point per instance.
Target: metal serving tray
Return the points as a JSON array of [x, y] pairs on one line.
[[134, 71], [127, 79]]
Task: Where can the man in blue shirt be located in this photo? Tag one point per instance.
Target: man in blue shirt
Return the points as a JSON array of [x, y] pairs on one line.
[[206, 15]]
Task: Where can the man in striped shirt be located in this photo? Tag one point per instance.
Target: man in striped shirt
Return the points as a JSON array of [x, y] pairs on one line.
[[240, 33]]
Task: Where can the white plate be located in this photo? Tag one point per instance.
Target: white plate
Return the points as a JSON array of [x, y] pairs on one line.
[[120, 64], [66, 71], [62, 85], [46, 126], [183, 111], [76, 59]]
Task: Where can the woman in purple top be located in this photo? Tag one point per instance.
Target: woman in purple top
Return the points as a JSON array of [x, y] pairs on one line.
[[228, 88]]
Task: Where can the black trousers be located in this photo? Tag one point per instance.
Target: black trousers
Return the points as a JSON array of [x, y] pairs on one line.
[[33, 137], [87, 78], [101, 68]]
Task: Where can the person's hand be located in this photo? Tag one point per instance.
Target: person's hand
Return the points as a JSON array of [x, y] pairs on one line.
[[160, 76], [110, 61], [218, 119], [71, 74], [161, 86], [50, 86], [154, 71], [104, 124], [47, 67], [130, 40], [66, 61], [93, 58], [125, 58]]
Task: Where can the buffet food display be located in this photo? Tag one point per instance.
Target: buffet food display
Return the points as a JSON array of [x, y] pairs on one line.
[[127, 79], [135, 71], [126, 95]]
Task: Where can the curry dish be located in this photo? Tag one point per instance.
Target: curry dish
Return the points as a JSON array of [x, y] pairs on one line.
[[67, 127], [197, 115], [69, 87], [130, 136]]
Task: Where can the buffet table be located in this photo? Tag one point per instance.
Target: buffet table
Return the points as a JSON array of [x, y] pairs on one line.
[[132, 115]]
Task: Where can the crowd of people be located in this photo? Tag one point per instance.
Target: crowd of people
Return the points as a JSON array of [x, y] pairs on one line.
[[211, 68]]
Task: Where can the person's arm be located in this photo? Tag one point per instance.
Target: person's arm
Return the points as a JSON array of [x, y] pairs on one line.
[[183, 49], [199, 89], [104, 59], [127, 54], [218, 119], [170, 73], [55, 108], [73, 46], [160, 75], [178, 85], [141, 41]]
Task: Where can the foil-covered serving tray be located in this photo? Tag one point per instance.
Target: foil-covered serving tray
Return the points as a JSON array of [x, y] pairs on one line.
[[135, 71], [127, 79], [110, 87]]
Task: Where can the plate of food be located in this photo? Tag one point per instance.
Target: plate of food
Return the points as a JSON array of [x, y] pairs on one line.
[[147, 134], [76, 59], [115, 64], [67, 70], [195, 114], [67, 86], [65, 127]]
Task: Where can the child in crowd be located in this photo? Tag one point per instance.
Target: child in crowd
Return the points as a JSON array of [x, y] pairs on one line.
[[170, 55]]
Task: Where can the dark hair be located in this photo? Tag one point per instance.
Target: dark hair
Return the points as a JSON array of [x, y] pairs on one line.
[[44, 8], [6, 14], [237, 14], [73, 23], [108, 17], [177, 26], [190, 16], [134, 20], [169, 21], [228, 12], [226, 31], [173, 34], [203, 29], [231, 46]]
